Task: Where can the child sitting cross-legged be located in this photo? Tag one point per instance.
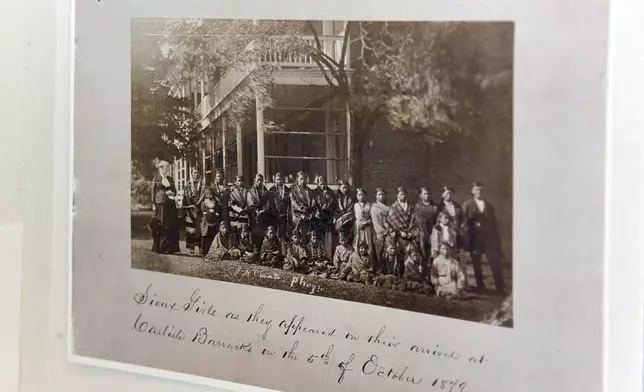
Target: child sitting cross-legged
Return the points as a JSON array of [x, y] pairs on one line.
[[342, 253], [271, 252], [413, 277], [317, 257], [296, 258], [393, 261], [248, 252], [447, 276], [360, 266], [223, 247], [392, 267]]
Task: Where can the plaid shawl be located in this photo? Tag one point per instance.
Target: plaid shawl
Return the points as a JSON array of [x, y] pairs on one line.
[[302, 203], [344, 210], [258, 202], [401, 220], [281, 198], [316, 251], [425, 215]]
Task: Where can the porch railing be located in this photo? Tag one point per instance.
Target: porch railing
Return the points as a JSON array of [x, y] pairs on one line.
[[278, 53]]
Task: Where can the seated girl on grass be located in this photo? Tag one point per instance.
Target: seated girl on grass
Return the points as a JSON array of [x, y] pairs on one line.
[[447, 276], [223, 247], [271, 252], [249, 253], [413, 277], [296, 258], [342, 253], [317, 256], [360, 266]]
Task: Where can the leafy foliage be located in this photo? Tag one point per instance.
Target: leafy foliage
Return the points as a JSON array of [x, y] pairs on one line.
[[162, 126], [438, 79]]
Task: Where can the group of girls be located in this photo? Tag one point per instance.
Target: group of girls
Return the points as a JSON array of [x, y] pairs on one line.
[[332, 235]]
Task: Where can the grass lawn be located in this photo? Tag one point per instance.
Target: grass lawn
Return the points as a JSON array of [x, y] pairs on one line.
[[473, 307]]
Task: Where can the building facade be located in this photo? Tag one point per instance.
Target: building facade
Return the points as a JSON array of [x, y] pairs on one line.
[[303, 130]]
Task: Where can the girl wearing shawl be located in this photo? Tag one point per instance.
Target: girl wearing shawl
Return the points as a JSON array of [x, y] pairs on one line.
[[359, 268], [259, 204], [425, 213], [342, 253], [238, 203], [302, 206], [165, 239], [413, 276], [455, 211], [323, 221], [402, 224], [271, 252], [210, 221], [363, 225], [344, 213], [193, 196], [280, 194], [379, 212], [317, 256], [219, 193], [223, 247], [296, 257], [248, 251]]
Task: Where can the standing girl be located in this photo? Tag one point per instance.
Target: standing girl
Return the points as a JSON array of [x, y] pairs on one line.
[[344, 214], [363, 225], [193, 196]]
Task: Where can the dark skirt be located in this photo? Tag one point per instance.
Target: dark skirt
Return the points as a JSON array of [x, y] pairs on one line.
[[193, 227], [166, 237]]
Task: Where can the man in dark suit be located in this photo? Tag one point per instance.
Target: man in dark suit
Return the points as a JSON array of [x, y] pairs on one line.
[[483, 237]]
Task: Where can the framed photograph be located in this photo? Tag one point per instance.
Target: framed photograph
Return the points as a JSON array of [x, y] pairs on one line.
[[340, 198]]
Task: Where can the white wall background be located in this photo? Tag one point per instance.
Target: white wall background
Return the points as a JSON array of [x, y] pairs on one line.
[[34, 128]]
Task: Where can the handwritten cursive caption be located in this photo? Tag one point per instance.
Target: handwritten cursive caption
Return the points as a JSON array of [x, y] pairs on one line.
[[341, 366]]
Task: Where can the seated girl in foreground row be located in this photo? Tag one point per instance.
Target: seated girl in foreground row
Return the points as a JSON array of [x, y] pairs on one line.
[[271, 252], [413, 277], [296, 258], [360, 267], [223, 247], [317, 256], [249, 253], [342, 253], [447, 276]]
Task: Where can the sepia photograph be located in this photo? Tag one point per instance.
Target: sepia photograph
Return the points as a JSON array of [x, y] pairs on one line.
[[362, 161]]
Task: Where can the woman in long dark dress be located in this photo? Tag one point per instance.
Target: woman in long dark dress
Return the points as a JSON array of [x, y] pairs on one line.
[[166, 236]]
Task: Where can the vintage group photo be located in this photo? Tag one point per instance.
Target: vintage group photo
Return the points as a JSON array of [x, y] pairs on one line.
[[364, 161]]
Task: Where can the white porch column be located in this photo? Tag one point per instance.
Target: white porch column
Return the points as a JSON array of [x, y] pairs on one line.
[[261, 169], [240, 150], [223, 145]]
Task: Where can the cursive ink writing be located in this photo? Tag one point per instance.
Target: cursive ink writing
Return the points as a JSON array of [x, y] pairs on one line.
[[380, 339], [324, 357], [372, 367], [344, 367], [202, 337], [144, 298], [291, 354], [255, 318], [450, 385], [168, 331], [437, 352], [296, 325], [197, 305]]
